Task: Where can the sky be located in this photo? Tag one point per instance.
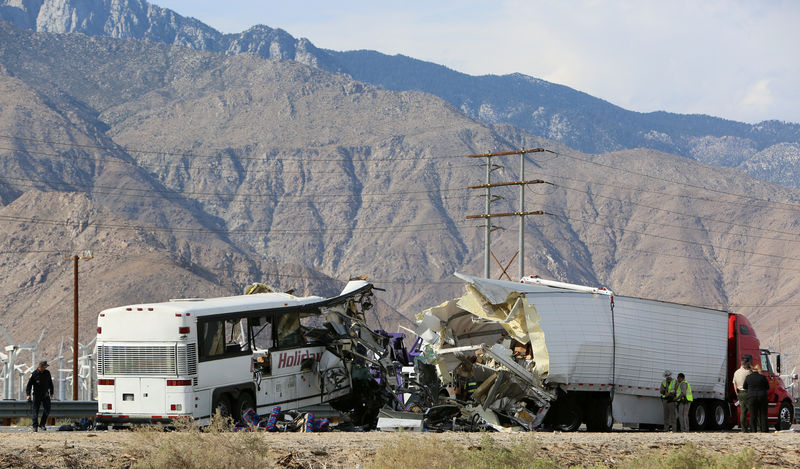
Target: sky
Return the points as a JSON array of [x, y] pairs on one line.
[[736, 59]]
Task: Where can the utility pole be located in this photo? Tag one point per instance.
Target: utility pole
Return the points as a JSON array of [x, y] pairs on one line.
[[75, 260], [521, 213]]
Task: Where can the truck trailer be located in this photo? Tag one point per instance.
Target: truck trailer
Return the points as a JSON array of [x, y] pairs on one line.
[[600, 356]]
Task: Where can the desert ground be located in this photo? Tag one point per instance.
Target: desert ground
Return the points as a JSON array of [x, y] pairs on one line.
[[121, 449]]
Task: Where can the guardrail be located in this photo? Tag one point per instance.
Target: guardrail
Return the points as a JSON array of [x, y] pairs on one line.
[[58, 409]]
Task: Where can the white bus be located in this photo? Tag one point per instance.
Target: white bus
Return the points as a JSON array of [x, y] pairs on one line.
[[191, 357]]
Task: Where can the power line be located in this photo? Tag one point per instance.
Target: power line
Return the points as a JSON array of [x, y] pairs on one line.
[[686, 184], [700, 217], [701, 230], [232, 195], [139, 164], [668, 194], [216, 156], [394, 228], [696, 243]]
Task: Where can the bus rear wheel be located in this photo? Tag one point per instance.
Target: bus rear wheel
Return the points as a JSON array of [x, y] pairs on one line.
[[223, 406], [243, 404]]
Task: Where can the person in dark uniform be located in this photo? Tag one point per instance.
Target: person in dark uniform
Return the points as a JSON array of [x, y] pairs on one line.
[[756, 386], [41, 383]]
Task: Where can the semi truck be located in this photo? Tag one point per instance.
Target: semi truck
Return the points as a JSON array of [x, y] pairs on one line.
[[602, 356]]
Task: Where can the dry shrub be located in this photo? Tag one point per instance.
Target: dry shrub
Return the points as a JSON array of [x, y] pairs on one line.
[[526, 452], [691, 457], [432, 453], [189, 447]]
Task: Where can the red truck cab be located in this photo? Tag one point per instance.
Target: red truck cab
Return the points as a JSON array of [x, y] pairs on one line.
[[743, 343]]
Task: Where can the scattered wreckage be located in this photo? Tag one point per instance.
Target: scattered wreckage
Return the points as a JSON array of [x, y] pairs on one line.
[[479, 362]]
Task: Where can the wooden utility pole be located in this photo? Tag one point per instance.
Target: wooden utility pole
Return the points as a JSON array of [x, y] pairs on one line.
[[521, 213], [75, 260]]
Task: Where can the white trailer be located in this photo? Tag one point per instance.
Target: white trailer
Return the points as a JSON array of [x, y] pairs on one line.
[[603, 355]]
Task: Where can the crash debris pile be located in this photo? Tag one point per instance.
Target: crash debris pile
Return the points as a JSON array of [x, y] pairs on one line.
[[472, 367], [278, 421], [487, 362]]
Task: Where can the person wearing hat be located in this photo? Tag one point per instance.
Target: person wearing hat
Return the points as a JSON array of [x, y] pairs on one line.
[[41, 383], [667, 392]]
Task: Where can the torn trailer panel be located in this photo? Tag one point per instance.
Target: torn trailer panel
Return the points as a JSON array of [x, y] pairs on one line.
[[600, 357]]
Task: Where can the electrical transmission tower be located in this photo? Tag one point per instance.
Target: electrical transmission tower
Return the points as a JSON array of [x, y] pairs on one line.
[[521, 213]]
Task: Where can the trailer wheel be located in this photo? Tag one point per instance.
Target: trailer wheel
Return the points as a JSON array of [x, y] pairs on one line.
[[569, 419], [698, 416], [567, 412], [606, 417], [718, 415], [784, 417], [601, 417]]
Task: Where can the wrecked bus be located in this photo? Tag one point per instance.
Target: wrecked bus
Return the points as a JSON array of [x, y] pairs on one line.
[[567, 354], [192, 357]]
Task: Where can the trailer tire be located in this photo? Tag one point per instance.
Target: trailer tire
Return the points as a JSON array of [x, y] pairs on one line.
[[698, 416], [568, 413], [600, 417], [569, 419], [784, 417], [718, 415], [606, 417]]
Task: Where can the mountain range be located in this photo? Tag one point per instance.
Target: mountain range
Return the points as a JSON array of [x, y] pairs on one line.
[[194, 172], [767, 150]]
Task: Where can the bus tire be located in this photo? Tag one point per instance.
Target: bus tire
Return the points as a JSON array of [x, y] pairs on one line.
[[222, 406], [244, 402]]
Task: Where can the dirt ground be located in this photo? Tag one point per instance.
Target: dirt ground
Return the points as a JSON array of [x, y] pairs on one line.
[[114, 449]]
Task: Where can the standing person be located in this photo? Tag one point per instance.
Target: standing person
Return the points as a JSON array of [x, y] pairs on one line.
[[756, 386], [741, 395], [683, 396], [667, 391], [42, 384]]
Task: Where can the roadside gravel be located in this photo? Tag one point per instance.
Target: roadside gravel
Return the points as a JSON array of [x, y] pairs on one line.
[[115, 449]]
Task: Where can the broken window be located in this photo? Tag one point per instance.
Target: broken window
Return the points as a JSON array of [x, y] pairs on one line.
[[236, 333], [261, 332], [289, 332]]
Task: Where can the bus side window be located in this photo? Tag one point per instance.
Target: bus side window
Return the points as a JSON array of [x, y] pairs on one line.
[[289, 333], [236, 332], [212, 339], [261, 332]]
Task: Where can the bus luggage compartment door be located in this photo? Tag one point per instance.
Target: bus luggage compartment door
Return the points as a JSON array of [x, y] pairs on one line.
[[136, 396]]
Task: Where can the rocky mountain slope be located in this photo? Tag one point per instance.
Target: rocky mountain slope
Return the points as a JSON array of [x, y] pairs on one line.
[[193, 173], [546, 109]]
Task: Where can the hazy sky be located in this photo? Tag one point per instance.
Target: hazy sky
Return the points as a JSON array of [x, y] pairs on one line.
[[737, 59]]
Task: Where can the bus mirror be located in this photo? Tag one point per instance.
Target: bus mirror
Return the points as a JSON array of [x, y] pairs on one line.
[[778, 363]]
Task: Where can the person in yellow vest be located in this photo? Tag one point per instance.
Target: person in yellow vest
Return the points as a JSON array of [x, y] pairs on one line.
[[683, 396], [667, 391]]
